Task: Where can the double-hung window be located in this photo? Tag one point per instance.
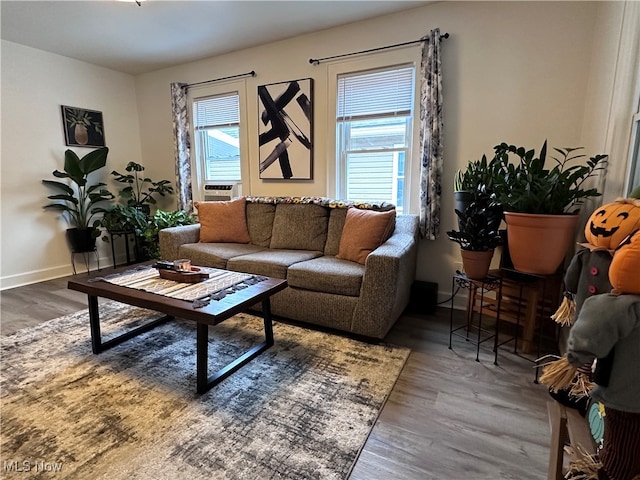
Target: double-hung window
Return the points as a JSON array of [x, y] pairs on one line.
[[374, 121], [217, 137]]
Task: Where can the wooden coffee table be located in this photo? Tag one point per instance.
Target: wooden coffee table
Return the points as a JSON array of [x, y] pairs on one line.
[[216, 312]]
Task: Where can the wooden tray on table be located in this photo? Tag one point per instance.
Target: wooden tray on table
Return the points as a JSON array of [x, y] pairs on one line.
[[193, 276]]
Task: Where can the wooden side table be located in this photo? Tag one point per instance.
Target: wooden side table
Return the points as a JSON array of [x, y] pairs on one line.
[[526, 300]]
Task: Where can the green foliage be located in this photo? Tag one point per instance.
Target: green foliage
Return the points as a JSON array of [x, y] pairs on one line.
[[78, 200], [140, 189], [122, 218], [477, 176], [478, 224], [157, 222], [528, 186]]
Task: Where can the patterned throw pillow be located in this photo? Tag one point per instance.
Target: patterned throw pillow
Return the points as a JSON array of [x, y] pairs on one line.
[[363, 232], [223, 222]]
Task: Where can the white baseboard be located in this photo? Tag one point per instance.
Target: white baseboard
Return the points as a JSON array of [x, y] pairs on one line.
[[27, 278]]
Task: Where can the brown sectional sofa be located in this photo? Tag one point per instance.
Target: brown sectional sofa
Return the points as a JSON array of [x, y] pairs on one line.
[[297, 238]]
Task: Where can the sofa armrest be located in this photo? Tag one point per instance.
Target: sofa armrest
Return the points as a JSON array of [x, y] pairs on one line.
[[171, 239], [389, 273]]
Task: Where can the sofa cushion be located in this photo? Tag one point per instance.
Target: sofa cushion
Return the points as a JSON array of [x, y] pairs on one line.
[[300, 227], [336, 224], [363, 232], [272, 263], [327, 274], [260, 222], [223, 222], [215, 254]]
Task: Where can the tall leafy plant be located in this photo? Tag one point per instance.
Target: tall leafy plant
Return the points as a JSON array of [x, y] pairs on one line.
[[534, 185], [79, 198], [140, 190]]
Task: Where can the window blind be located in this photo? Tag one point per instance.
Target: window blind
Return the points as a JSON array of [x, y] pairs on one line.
[[375, 94], [218, 111]]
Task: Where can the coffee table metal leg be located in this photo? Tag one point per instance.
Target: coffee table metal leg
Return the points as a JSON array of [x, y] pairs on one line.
[[97, 345], [203, 380]]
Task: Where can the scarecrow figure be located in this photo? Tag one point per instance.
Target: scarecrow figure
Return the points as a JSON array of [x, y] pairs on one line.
[[608, 326], [588, 275]]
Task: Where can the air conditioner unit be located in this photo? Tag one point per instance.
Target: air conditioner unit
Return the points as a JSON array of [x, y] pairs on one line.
[[220, 191]]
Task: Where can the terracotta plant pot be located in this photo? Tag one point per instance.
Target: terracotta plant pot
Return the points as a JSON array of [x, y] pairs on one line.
[[476, 264], [538, 243]]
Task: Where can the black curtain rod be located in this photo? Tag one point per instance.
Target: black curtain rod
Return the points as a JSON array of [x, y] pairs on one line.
[[316, 61], [252, 73]]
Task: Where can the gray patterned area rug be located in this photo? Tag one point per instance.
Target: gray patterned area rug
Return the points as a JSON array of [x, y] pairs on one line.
[[301, 410]]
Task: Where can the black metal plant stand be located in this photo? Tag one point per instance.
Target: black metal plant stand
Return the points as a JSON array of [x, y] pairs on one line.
[[86, 257], [542, 313], [482, 334]]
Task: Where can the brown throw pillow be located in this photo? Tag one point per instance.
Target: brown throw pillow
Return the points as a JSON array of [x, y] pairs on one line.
[[363, 232], [223, 222]]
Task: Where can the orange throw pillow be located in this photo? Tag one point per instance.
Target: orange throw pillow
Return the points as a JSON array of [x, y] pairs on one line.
[[223, 222], [363, 232]]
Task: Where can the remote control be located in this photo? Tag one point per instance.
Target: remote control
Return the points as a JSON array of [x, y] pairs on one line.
[[163, 264]]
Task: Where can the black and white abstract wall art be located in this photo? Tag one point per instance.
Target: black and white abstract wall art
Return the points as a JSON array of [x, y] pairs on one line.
[[286, 130]]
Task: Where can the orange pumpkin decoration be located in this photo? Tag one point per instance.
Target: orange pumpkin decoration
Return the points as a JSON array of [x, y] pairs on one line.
[[624, 272], [612, 223]]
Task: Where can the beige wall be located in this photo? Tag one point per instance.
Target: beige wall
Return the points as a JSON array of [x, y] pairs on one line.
[[34, 85], [513, 71]]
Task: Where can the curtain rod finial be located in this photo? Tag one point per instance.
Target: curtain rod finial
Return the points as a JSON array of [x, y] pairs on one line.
[[445, 35], [314, 61]]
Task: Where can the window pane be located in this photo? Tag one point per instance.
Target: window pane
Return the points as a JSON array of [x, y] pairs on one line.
[[219, 110], [217, 127], [375, 93], [370, 177], [377, 134], [374, 121], [222, 153]]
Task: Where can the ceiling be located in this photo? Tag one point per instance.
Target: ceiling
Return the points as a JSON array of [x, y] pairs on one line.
[[123, 36]]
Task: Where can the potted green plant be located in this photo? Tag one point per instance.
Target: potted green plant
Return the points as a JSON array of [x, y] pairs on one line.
[[140, 190], [79, 200], [161, 219], [541, 200], [478, 176], [478, 234], [120, 219]]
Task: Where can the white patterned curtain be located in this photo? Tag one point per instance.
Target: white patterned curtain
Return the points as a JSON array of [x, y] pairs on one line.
[[182, 146], [430, 136]]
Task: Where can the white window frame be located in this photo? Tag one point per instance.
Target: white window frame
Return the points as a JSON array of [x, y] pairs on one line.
[[397, 57], [633, 168], [197, 167]]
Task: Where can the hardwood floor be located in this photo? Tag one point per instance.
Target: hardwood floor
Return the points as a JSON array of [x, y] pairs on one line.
[[448, 416]]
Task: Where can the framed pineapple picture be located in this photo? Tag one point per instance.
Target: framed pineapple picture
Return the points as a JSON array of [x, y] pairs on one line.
[[82, 127]]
